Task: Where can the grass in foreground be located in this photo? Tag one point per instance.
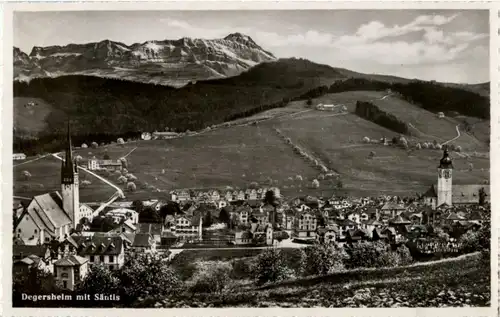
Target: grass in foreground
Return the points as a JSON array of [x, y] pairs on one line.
[[458, 282]]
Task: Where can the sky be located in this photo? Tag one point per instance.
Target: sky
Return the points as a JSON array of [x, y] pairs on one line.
[[442, 45]]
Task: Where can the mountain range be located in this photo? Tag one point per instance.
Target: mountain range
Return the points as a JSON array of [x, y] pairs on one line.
[[167, 62]]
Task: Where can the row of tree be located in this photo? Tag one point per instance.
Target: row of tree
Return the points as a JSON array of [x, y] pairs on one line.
[[373, 113]]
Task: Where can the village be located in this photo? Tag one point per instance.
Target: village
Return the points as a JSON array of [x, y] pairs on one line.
[[58, 234]]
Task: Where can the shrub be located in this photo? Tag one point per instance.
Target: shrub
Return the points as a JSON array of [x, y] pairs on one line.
[[131, 187], [122, 180], [211, 277], [315, 183], [323, 259], [366, 254], [242, 268], [131, 177], [271, 266]]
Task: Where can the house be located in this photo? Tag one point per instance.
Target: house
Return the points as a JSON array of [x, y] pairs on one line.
[[43, 220], [229, 196], [241, 195], [144, 243], [105, 249], [392, 209], [243, 237], [24, 265], [70, 271], [86, 212], [124, 213], [356, 235], [305, 225], [125, 227], [95, 164], [244, 213], [164, 135], [371, 225], [18, 156], [345, 225], [355, 217], [260, 217], [42, 251], [327, 234], [469, 194], [155, 229]]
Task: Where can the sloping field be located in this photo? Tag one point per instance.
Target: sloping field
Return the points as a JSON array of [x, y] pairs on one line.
[[46, 177], [233, 157], [30, 114], [457, 282], [337, 141]]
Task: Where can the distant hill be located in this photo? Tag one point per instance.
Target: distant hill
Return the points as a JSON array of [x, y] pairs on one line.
[[115, 106], [170, 62]]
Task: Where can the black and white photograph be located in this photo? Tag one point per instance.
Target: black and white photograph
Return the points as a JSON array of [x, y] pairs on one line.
[[305, 158]]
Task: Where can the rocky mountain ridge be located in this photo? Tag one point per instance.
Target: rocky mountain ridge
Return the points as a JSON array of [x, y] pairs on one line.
[[170, 62]]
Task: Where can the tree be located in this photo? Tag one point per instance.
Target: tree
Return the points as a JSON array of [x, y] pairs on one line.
[[124, 162], [225, 216], [211, 277], [366, 139], [339, 184], [323, 259], [471, 167], [35, 281], [458, 148], [147, 275], [131, 187], [253, 185], [315, 183], [372, 154], [171, 208], [149, 215], [270, 198], [207, 219], [120, 141], [138, 205], [482, 196], [309, 102], [271, 266], [84, 146], [99, 280], [122, 180], [94, 145]]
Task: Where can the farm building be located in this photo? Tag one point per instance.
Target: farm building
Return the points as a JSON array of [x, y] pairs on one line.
[[440, 115], [110, 165], [18, 156]]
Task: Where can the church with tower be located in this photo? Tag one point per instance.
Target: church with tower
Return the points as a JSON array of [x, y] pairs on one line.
[[445, 194], [53, 215]]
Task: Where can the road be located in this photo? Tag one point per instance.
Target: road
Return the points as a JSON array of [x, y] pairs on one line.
[[118, 189], [458, 135], [130, 152], [33, 160]]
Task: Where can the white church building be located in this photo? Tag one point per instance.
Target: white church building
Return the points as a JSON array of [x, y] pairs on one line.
[[445, 193]]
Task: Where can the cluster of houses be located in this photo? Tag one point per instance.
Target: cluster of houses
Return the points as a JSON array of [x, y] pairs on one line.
[[57, 233], [224, 196]]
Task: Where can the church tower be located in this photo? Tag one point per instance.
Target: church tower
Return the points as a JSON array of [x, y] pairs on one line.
[[444, 186], [69, 184]]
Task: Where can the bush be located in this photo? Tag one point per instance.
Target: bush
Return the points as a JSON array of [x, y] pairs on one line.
[[271, 266], [211, 277], [323, 259], [366, 254], [242, 268], [315, 183], [131, 187], [122, 180]]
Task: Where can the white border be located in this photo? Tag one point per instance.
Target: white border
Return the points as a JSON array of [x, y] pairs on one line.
[[6, 155]]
